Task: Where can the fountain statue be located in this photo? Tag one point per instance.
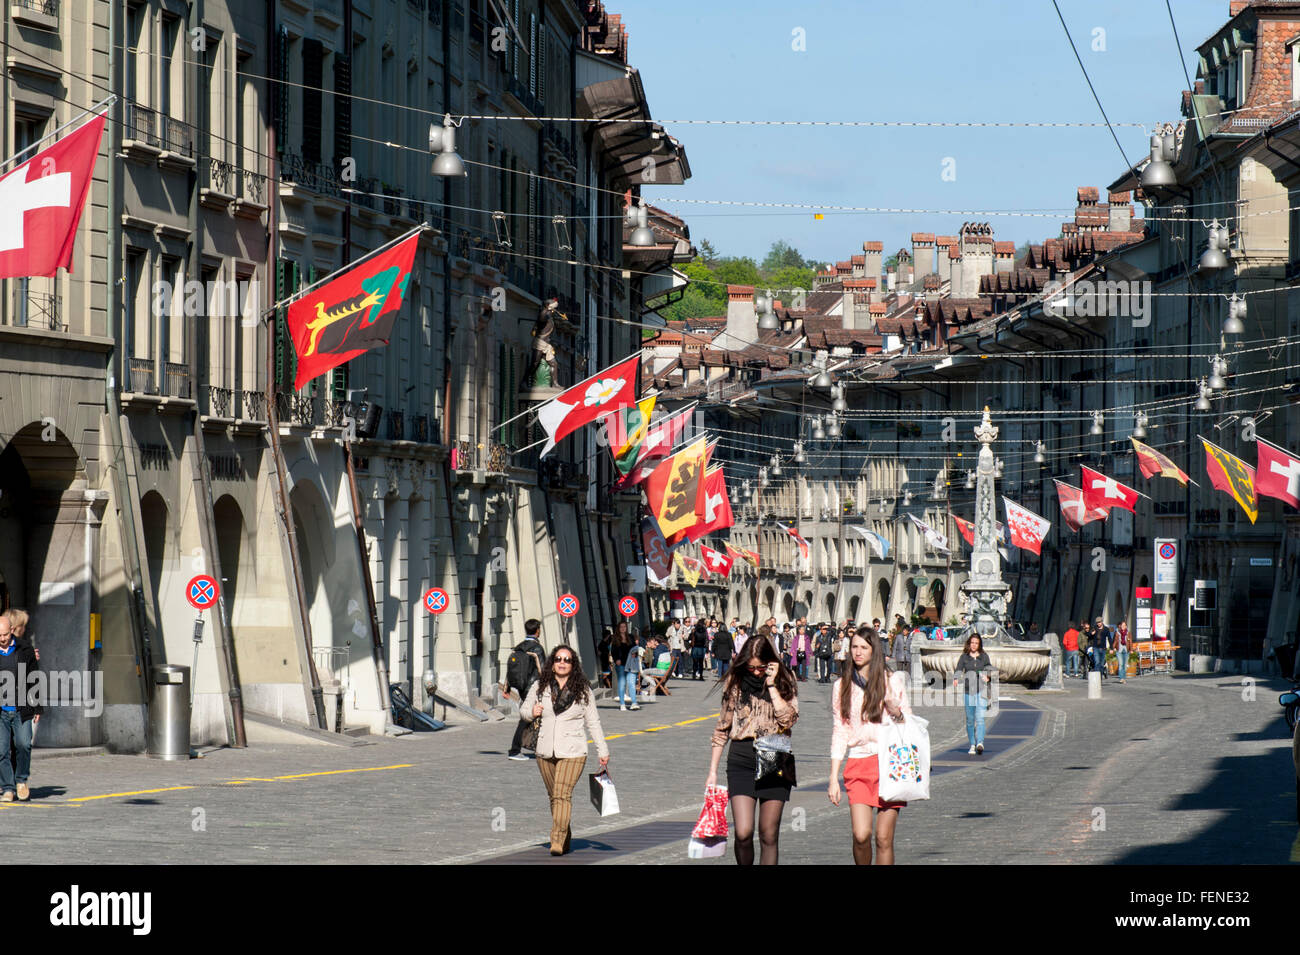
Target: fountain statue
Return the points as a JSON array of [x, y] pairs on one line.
[[985, 595]]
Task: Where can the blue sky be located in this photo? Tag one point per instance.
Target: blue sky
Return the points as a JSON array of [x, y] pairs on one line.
[[951, 60]]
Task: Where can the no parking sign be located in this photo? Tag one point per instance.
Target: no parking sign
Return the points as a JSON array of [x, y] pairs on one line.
[[627, 606], [202, 592], [435, 600], [567, 605]]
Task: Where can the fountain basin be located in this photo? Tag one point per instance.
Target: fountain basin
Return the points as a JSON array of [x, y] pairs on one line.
[[1025, 663]]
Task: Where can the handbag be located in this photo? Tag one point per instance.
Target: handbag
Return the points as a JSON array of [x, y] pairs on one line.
[[603, 795], [774, 760], [904, 760], [529, 739]]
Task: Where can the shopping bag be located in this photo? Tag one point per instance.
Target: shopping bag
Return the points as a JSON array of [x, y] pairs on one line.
[[603, 795], [709, 847], [904, 758], [713, 816]]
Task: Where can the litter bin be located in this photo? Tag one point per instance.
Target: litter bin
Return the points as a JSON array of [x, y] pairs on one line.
[[169, 712]]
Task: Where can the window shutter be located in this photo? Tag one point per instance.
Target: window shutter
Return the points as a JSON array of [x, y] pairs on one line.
[[312, 79], [342, 108], [280, 95], [532, 53]]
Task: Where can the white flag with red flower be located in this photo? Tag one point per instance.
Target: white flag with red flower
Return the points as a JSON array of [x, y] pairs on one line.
[[1027, 528], [589, 400]]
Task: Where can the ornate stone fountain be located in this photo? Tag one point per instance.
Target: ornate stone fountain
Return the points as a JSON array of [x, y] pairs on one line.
[[986, 595]]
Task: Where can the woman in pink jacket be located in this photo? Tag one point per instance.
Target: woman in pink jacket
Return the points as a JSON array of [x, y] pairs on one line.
[[865, 695]]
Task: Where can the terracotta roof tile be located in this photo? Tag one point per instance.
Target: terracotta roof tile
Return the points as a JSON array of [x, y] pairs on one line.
[[945, 240], [922, 237], [1004, 248], [873, 246], [860, 283]]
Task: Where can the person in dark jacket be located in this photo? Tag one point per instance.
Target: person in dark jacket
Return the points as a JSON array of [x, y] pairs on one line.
[[722, 649], [974, 674], [1098, 644], [17, 716], [699, 647]]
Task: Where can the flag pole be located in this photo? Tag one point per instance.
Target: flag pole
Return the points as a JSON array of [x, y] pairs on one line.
[[284, 302], [103, 105]]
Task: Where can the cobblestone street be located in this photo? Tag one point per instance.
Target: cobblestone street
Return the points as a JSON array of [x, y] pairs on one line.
[[1175, 769]]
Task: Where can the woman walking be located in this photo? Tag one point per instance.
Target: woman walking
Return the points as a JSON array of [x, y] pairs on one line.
[[758, 699], [865, 696], [563, 699], [1121, 644], [619, 651], [973, 674], [699, 647]]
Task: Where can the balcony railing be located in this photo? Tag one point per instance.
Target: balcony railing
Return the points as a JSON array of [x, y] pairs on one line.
[[318, 177], [396, 426], [48, 7], [222, 176], [420, 428], [220, 402], [311, 411], [178, 137], [177, 379], [254, 187], [253, 405], [142, 376], [36, 309], [140, 124]]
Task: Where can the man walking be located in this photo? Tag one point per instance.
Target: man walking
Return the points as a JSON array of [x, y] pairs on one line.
[[721, 651], [1100, 644], [1070, 642], [675, 645], [521, 670]]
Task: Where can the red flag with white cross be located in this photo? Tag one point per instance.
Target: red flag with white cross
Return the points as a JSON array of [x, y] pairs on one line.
[[1073, 511], [716, 561], [1103, 493], [41, 201], [1277, 473]]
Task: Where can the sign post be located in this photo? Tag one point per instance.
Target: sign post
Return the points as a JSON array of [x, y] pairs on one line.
[[436, 602], [628, 606], [1166, 576], [1142, 629], [202, 592], [567, 605]]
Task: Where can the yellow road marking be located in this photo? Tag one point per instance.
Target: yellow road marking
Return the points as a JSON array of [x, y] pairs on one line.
[[248, 779], [697, 719], [138, 792], [336, 772], [656, 729]]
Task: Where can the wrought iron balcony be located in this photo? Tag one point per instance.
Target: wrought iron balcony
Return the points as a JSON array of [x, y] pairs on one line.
[[317, 177], [36, 309], [140, 124], [420, 428], [177, 377], [49, 8], [142, 376], [310, 411], [253, 405], [178, 137], [396, 426], [222, 176], [254, 187], [220, 401]]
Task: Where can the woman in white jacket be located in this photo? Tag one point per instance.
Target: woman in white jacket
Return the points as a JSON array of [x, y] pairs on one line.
[[567, 707]]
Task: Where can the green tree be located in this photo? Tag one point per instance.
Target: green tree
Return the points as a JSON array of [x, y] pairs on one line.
[[707, 253], [736, 271], [783, 255], [789, 277], [703, 296]]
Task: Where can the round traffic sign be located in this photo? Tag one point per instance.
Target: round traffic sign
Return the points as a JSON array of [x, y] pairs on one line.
[[627, 606], [202, 592], [567, 605], [435, 600], [1167, 551]]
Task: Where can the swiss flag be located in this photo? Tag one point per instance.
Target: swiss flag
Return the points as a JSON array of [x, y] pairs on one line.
[[589, 400], [716, 512], [1073, 511], [41, 202], [1277, 473], [801, 541], [716, 561], [1103, 493], [1027, 528], [966, 528]]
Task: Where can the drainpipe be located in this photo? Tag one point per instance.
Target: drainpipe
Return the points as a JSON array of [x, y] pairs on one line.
[[121, 486]]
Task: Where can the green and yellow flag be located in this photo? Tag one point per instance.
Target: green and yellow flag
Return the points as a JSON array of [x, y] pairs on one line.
[[1233, 475], [636, 421]]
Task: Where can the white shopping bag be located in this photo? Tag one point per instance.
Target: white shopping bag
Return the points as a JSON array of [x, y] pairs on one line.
[[603, 796], [904, 758], [709, 847]]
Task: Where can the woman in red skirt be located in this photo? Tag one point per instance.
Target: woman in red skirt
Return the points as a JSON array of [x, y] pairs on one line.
[[864, 696]]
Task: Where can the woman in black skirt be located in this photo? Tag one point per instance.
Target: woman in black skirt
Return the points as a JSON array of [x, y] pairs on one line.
[[758, 699]]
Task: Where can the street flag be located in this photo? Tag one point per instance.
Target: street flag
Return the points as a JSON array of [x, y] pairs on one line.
[[966, 528], [878, 543], [1073, 511], [716, 514], [657, 561], [750, 557], [352, 313], [585, 402], [716, 561], [657, 445], [690, 568], [41, 201], [1027, 528], [1232, 475], [932, 537], [1278, 473], [1152, 462], [625, 430], [798, 539], [673, 489], [1101, 492]]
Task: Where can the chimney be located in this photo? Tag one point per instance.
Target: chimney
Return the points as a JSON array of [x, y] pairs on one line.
[[1004, 257], [943, 250], [923, 253], [1236, 6], [1121, 212], [742, 320], [871, 252]]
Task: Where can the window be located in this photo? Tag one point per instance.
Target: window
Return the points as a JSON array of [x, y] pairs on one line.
[[171, 95], [136, 85], [135, 321], [27, 133], [312, 77], [171, 336]]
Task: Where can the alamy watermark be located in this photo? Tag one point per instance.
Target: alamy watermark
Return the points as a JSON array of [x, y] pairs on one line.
[[1088, 299], [80, 688]]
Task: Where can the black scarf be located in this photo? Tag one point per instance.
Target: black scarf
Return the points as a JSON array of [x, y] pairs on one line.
[[752, 686], [859, 680], [562, 699]]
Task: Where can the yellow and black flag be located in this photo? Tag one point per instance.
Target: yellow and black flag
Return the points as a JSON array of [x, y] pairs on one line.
[[1233, 475], [673, 489]]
